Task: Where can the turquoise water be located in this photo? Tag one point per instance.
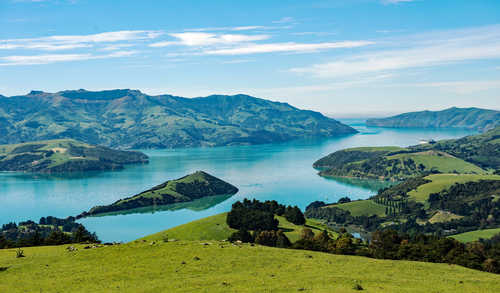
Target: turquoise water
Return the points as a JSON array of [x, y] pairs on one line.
[[275, 171]]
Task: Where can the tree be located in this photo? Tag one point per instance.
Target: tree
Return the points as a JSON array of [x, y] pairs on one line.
[[241, 235], [345, 199], [295, 215]]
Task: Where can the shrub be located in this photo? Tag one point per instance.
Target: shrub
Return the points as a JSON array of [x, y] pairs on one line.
[[19, 253], [307, 234], [241, 235], [267, 238]]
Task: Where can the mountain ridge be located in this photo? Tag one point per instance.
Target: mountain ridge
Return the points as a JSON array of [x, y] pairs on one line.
[[127, 118], [454, 117]]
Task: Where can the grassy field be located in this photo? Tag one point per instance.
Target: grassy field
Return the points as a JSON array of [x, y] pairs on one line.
[[195, 266], [475, 235], [363, 208], [444, 181], [216, 228], [444, 163]]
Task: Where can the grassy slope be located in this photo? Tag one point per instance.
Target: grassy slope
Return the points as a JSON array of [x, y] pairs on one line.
[[444, 181], [221, 267], [444, 164], [216, 228], [170, 188], [475, 235], [363, 207]]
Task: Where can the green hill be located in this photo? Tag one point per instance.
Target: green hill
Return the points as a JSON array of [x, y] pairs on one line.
[[194, 266], [216, 228], [186, 189], [64, 155], [472, 118], [477, 154], [476, 235], [443, 204], [131, 119]]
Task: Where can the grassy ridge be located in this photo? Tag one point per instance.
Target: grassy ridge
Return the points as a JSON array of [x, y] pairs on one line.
[[475, 235], [219, 267], [444, 181], [443, 163], [216, 228], [477, 154]]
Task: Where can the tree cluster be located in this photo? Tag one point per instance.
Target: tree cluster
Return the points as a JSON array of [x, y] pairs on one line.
[[49, 231]]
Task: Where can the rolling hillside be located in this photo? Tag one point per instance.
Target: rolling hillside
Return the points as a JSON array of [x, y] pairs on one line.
[[64, 155], [216, 228], [189, 266], [471, 118], [131, 119], [476, 154]]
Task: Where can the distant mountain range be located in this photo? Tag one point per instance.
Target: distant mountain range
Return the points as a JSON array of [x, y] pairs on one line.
[[470, 118], [131, 119]]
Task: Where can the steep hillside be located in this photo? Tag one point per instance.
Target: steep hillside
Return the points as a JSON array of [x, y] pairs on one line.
[[64, 155], [131, 119], [212, 266], [476, 154], [471, 118], [186, 189]]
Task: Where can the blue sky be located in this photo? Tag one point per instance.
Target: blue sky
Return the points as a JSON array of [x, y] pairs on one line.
[[345, 58]]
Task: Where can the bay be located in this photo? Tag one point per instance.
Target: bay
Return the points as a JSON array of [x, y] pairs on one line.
[[282, 172]]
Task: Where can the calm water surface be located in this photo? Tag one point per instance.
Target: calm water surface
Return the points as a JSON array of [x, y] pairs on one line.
[[275, 171]]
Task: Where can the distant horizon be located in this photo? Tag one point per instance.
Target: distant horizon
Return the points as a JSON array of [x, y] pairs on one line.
[[334, 115]]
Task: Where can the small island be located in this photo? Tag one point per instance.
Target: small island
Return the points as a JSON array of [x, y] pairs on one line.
[[64, 155], [188, 188]]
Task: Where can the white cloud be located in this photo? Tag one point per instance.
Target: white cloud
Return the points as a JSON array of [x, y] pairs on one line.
[[230, 28], [434, 49], [198, 39], [53, 58], [286, 47], [67, 42]]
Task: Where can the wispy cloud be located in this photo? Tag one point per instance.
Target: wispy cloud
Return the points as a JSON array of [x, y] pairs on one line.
[[230, 28], [208, 39], [286, 47], [434, 49], [396, 1], [53, 58], [461, 87], [67, 42], [286, 19]]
